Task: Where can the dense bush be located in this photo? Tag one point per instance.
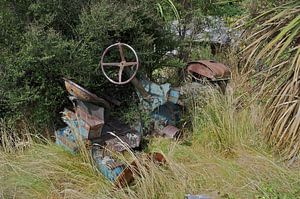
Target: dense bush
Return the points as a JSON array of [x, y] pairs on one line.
[[31, 76], [47, 40], [135, 22]]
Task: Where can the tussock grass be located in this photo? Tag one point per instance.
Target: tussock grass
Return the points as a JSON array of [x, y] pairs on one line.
[[224, 156], [14, 138], [227, 122], [46, 171]]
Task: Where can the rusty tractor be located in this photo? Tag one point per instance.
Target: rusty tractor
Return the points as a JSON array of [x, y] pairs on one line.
[[90, 123]]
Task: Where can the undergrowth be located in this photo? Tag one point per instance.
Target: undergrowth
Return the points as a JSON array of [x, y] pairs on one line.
[[224, 157]]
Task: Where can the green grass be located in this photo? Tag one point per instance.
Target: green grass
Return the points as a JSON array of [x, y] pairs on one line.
[[224, 157]]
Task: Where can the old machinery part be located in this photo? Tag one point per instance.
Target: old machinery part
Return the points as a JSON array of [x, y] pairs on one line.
[[82, 94], [170, 132], [209, 69]]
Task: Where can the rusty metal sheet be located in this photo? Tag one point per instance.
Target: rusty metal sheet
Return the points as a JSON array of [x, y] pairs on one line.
[[210, 69], [93, 109], [92, 124], [170, 131], [83, 94], [157, 157], [127, 176], [87, 130]]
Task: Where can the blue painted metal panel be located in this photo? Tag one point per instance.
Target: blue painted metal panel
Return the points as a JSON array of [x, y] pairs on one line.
[[173, 96], [110, 173], [78, 127], [163, 103], [76, 124], [66, 139], [108, 166], [158, 93]]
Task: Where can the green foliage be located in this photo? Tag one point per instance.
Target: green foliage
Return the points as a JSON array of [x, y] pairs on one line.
[[31, 77], [201, 52], [46, 40], [134, 22], [135, 116], [62, 16], [10, 29]]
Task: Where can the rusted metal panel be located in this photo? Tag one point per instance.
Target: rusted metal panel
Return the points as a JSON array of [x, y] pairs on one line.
[[88, 127], [92, 124], [83, 94], [209, 69], [170, 131], [92, 109], [157, 157], [127, 175]]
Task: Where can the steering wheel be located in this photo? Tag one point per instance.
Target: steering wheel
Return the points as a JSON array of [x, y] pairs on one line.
[[130, 68]]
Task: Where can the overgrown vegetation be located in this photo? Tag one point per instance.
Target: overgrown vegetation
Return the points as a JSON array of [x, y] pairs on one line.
[[274, 54], [224, 158], [53, 39], [224, 153], [41, 42]]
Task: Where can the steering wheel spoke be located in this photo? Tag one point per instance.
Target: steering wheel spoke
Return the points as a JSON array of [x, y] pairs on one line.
[[111, 64], [120, 73], [121, 52], [130, 63]]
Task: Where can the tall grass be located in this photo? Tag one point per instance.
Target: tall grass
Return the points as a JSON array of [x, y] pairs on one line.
[[46, 171], [14, 137], [226, 122], [222, 157]]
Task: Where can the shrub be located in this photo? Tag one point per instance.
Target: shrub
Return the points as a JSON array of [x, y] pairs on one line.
[[135, 22], [30, 78], [54, 39]]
